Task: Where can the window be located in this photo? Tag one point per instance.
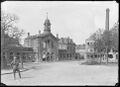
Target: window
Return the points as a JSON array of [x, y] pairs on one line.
[[48, 41], [116, 56], [3, 53], [95, 56], [44, 45], [67, 55], [11, 53], [91, 56], [91, 50], [52, 45], [88, 56], [18, 55], [67, 48], [88, 43]]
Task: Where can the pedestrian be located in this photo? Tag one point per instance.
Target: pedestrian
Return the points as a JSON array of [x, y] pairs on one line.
[[15, 66], [44, 56], [47, 56]]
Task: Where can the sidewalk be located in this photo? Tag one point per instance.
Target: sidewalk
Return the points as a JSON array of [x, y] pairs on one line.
[[27, 66]]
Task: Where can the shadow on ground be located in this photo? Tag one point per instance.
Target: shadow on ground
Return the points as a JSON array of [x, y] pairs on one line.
[[40, 67], [97, 63]]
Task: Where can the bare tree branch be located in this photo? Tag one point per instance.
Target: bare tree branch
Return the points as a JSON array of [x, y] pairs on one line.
[[8, 25]]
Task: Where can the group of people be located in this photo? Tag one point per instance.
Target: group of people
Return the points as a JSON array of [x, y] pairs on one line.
[[47, 56]]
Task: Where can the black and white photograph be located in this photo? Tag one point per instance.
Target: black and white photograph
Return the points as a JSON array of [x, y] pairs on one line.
[[59, 43]]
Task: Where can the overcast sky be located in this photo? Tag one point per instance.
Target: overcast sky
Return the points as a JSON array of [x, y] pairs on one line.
[[75, 19]]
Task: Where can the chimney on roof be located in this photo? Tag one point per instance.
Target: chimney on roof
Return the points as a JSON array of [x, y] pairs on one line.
[[57, 36], [28, 34], [39, 32]]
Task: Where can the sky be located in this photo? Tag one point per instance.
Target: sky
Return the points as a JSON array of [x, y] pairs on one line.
[[74, 19]]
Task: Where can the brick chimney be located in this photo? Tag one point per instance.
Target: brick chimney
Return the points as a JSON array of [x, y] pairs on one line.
[[28, 34]]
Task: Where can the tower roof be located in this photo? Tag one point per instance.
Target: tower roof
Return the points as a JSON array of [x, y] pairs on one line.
[[47, 21]]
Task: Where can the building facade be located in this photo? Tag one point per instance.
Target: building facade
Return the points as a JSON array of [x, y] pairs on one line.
[[66, 49], [11, 47], [89, 48], [80, 51], [43, 43], [92, 54]]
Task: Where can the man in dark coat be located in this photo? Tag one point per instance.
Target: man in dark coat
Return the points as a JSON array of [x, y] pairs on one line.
[[15, 66]]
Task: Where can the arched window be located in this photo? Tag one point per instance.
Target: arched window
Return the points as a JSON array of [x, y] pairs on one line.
[[44, 45], [11, 56], [18, 55]]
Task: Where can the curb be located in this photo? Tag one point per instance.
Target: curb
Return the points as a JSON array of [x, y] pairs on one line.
[[12, 72]]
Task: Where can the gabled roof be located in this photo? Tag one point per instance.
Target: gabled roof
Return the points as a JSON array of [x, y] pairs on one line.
[[80, 46], [43, 35], [66, 41], [92, 37]]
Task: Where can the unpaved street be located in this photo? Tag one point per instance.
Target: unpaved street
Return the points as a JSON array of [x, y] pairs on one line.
[[65, 73]]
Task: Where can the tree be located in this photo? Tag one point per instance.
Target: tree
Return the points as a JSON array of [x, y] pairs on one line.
[[99, 45], [114, 36], [16, 33], [107, 40], [8, 26], [8, 22]]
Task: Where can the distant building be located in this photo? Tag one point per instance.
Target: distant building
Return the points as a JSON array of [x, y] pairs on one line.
[[44, 42], [80, 51], [10, 47], [66, 48], [92, 54], [89, 48]]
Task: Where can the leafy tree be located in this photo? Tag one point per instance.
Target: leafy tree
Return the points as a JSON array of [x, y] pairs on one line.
[[106, 40], [114, 36], [99, 45]]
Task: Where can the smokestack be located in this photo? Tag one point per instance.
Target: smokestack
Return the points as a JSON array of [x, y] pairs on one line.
[[107, 19]]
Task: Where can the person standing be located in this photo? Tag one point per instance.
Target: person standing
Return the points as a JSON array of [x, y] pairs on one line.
[[44, 56], [15, 66]]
